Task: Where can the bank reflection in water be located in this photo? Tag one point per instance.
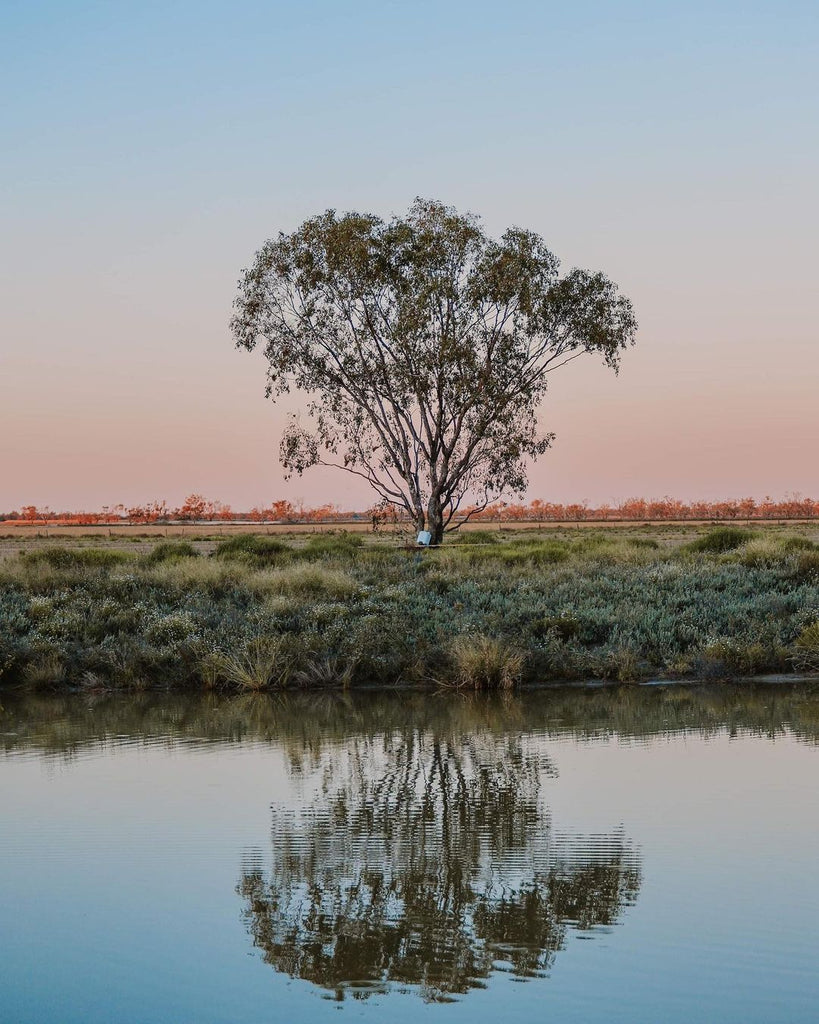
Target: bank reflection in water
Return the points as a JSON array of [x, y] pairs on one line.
[[427, 863]]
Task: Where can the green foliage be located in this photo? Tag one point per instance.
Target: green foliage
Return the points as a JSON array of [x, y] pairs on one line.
[[572, 606], [805, 566], [348, 310], [724, 538], [797, 543], [728, 658], [522, 552], [170, 551], [253, 549], [71, 558], [332, 545], [565, 627], [477, 537], [306, 580]]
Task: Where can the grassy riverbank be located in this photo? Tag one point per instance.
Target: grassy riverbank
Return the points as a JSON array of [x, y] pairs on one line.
[[488, 610]]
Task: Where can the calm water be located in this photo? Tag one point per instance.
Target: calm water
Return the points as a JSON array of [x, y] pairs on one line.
[[648, 855]]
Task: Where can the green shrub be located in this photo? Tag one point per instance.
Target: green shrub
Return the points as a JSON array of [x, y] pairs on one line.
[[622, 664], [304, 580], [537, 553], [615, 608], [724, 538], [797, 543], [332, 545], [565, 627], [806, 566], [728, 657], [477, 537], [255, 550], [74, 558], [170, 551]]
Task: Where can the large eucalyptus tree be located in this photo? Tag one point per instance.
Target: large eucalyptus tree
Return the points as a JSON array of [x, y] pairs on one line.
[[424, 348]]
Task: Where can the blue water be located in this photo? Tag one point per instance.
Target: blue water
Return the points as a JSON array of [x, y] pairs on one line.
[[641, 857]]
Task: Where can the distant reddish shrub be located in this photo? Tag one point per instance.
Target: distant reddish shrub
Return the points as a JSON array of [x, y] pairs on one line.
[[197, 509]]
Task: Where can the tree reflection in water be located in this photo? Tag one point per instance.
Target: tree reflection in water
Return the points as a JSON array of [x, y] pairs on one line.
[[426, 862]]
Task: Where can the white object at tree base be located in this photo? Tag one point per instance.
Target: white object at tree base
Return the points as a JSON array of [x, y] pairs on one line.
[[424, 537]]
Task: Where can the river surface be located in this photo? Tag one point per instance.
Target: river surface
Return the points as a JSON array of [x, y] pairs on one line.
[[632, 855]]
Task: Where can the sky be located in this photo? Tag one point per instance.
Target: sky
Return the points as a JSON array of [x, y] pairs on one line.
[[148, 150]]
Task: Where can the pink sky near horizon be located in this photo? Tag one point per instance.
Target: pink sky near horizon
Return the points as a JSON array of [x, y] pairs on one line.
[[678, 163], [716, 400], [127, 387]]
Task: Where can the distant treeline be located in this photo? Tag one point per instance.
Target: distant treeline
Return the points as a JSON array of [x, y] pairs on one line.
[[197, 509]]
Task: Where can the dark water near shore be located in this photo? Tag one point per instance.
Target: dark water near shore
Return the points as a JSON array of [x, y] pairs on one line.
[[638, 855]]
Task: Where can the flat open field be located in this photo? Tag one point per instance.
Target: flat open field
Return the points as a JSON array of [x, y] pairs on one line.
[[134, 530]]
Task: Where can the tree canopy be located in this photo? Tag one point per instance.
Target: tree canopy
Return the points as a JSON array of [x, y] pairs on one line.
[[424, 347]]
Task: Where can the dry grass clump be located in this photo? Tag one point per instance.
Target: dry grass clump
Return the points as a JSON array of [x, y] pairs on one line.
[[762, 552], [44, 672], [184, 574], [263, 664], [622, 664], [325, 672], [806, 649], [305, 580], [485, 662], [806, 566], [766, 551], [729, 658]]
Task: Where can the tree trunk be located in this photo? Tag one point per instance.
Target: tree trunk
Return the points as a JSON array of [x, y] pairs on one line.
[[435, 522]]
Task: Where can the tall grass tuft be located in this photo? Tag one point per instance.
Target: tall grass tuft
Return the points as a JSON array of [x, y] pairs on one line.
[[263, 664], [44, 672], [485, 662], [325, 672], [806, 649]]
